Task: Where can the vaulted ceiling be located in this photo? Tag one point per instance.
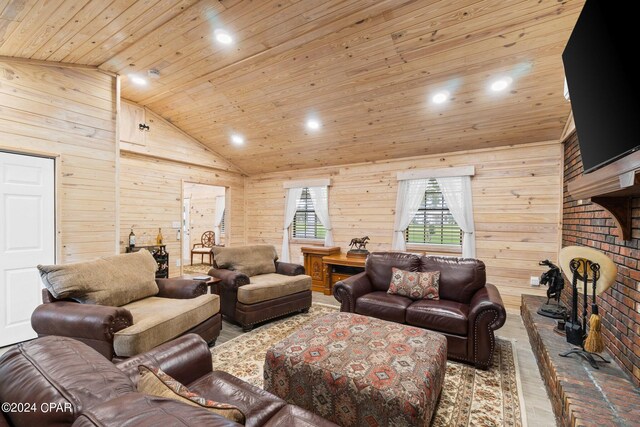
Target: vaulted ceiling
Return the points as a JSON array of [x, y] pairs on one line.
[[367, 69]]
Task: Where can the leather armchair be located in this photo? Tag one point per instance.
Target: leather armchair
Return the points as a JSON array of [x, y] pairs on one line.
[[249, 300], [97, 325], [468, 312]]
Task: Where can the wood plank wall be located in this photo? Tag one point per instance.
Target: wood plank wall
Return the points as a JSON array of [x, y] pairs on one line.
[[68, 113], [151, 178], [517, 195]]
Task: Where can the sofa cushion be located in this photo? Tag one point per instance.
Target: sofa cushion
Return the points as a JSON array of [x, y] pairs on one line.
[[158, 320], [266, 287], [256, 404], [383, 306], [460, 278], [141, 410], [59, 371], [443, 316], [113, 281], [250, 260], [378, 267], [414, 284], [155, 382]]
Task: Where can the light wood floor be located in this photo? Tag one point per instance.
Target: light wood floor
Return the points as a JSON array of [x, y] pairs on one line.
[[537, 405]]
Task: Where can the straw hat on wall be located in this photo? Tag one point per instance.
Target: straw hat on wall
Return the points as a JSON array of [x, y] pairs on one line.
[[608, 270]]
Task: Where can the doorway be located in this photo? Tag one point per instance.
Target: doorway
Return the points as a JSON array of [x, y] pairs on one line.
[[203, 210], [27, 238]]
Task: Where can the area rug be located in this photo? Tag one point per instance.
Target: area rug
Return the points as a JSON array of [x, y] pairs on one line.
[[469, 397], [196, 268]]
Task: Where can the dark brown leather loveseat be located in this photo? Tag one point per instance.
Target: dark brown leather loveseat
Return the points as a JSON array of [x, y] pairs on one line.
[[467, 313], [60, 381]]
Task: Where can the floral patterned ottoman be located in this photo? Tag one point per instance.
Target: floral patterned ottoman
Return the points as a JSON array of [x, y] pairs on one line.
[[359, 371]]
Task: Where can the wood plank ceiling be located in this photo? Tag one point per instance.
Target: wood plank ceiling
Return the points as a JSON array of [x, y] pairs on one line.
[[365, 68]]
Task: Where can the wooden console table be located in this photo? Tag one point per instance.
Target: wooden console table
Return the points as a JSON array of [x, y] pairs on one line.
[[339, 267], [315, 268]]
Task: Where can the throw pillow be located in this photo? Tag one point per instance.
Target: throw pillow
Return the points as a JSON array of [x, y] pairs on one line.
[[250, 260], [114, 281], [155, 382], [415, 285]]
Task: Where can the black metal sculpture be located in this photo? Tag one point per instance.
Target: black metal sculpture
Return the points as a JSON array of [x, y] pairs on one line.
[[358, 247], [554, 280]]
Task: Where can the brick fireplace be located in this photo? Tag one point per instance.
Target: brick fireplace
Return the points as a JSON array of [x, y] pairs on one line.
[[587, 224]]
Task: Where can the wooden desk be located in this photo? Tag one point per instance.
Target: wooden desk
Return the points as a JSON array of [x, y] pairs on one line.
[[314, 267], [339, 267]]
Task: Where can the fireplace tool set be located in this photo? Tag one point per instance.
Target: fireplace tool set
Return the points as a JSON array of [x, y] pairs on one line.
[[588, 267]]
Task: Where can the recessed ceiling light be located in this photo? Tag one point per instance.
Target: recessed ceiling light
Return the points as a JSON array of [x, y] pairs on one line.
[[313, 124], [222, 36], [501, 84], [440, 97], [140, 81], [237, 139]]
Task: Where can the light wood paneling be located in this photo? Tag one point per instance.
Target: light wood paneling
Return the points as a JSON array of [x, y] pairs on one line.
[[515, 195], [366, 68], [68, 113], [151, 179]]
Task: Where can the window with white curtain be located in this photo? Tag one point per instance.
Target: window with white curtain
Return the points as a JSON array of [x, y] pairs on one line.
[[433, 223], [306, 224]]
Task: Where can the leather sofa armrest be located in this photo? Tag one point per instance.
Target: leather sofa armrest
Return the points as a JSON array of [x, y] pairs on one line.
[[484, 300], [3, 420], [185, 358], [486, 314], [349, 290], [231, 280], [75, 320], [289, 269], [181, 288]]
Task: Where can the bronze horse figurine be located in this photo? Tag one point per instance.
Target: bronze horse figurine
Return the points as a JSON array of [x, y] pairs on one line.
[[360, 242]]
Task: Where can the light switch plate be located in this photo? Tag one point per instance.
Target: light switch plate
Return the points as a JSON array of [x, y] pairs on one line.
[[535, 281]]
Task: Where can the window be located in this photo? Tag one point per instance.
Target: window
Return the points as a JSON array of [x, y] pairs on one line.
[[306, 224], [433, 223]]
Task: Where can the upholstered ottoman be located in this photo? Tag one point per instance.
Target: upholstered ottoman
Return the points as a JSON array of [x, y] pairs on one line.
[[356, 370]]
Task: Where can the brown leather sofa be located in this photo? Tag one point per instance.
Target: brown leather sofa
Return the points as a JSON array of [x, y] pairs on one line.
[[63, 382], [468, 312], [256, 287]]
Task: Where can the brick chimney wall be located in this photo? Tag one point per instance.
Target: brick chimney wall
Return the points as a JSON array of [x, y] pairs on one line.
[[587, 224]]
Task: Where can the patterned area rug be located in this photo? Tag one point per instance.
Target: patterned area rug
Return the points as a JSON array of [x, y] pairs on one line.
[[196, 268], [469, 397]]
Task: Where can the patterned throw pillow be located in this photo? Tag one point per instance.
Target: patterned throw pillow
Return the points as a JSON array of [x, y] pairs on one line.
[[415, 285], [155, 382]]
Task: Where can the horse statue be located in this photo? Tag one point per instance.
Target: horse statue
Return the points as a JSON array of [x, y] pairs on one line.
[[360, 242]]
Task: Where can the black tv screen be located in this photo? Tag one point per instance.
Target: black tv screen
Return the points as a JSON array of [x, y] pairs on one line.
[[603, 85]]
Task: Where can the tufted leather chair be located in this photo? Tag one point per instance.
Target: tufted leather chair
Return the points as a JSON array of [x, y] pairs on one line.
[[468, 312]]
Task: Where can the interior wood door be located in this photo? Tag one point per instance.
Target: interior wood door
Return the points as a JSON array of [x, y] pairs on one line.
[[27, 238]]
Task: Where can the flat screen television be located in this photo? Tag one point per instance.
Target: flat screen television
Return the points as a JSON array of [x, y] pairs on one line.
[[603, 83]]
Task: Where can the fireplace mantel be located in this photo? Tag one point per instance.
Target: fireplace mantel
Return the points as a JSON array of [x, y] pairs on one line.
[[612, 187]]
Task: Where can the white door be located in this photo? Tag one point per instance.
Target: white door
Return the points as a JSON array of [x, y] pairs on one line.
[[27, 238], [186, 230]]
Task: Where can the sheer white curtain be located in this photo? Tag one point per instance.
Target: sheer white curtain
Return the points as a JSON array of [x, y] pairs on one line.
[[457, 193], [410, 195], [220, 206], [290, 205], [320, 200]]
